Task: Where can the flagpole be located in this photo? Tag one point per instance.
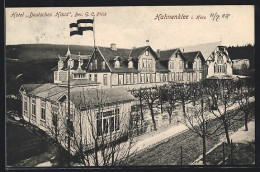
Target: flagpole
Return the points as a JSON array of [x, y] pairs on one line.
[[94, 32]]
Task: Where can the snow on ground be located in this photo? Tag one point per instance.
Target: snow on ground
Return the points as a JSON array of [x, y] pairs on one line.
[[44, 164], [242, 136], [149, 141]]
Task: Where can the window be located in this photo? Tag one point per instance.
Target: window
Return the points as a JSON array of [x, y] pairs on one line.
[[161, 77], [181, 64], [120, 79], [220, 60], [173, 76], [128, 79], [70, 128], [144, 63], [60, 77], [105, 79], [54, 115], [149, 63], [171, 65], [90, 66], [148, 77], [147, 53], [107, 121], [194, 65], [153, 77], [215, 68], [103, 65], [135, 79], [177, 76], [142, 77], [117, 64], [63, 76], [43, 114], [188, 76], [200, 76], [90, 77], [55, 76], [96, 64], [181, 76], [34, 109], [200, 65], [25, 105], [130, 64], [95, 77], [195, 77], [165, 77]]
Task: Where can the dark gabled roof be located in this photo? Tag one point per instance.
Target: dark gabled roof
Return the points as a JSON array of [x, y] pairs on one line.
[[166, 54], [83, 98], [160, 67], [136, 52], [191, 55], [121, 54], [110, 54]]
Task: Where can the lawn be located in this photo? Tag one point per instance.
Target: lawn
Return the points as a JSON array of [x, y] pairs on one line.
[[242, 154], [169, 152]]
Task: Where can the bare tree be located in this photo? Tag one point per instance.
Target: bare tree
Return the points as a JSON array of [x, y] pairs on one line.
[[139, 94], [197, 119], [150, 95], [245, 89], [183, 93], [221, 93], [171, 100]]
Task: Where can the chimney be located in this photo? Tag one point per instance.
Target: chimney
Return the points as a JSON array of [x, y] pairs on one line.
[[158, 52], [113, 46], [183, 50]]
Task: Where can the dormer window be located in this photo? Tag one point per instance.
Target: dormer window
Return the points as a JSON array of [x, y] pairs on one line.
[[60, 64], [95, 63], [103, 65], [130, 64], [147, 53], [80, 64], [70, 63], [117, 64], [194, 65], [90, 66]]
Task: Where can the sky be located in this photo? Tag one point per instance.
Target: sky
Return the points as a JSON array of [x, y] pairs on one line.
[[129, 27]]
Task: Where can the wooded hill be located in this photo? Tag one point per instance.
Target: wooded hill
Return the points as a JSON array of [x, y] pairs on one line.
[[40, 52]]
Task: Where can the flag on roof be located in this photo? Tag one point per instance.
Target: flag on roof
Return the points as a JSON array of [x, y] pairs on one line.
[[74, 30], [85, 24]]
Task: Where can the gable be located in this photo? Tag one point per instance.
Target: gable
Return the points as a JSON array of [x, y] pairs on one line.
[[97, 55]]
